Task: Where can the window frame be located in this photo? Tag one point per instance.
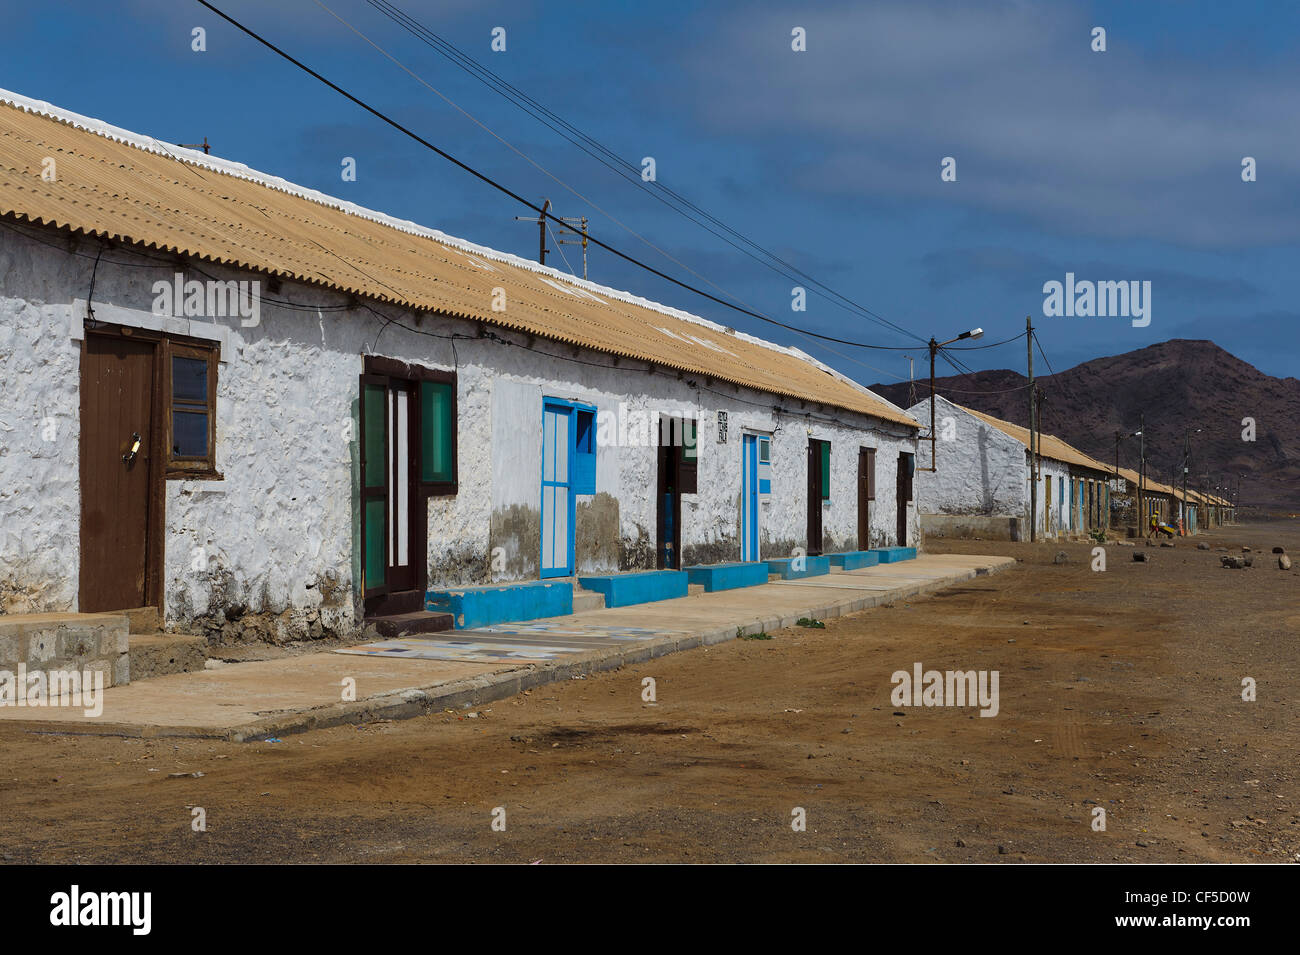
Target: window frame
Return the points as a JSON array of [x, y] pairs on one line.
[[398, 369], [189, 467]]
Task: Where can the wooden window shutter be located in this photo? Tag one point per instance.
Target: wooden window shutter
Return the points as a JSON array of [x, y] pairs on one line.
[[826, 470], [373, 414], [583, 467], [438, 433], [688, 459]]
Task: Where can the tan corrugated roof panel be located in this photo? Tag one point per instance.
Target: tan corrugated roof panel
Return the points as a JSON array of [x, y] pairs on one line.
[[165, 200], [1152, 486], [1049, 446]]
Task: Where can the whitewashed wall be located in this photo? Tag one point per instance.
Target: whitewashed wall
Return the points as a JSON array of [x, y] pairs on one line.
[[40, 367], [981, 470], [274, 547]]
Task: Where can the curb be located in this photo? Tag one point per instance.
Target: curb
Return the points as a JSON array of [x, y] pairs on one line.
[[501, 684]]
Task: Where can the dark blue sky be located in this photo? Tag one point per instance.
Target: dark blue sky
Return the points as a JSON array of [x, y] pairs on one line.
[[1122, 165]]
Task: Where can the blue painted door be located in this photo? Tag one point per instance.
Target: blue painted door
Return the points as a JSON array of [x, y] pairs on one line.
[[749, 498], [557, 490]]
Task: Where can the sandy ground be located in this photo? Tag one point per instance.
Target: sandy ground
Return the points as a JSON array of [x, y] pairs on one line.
[[1120, 689]]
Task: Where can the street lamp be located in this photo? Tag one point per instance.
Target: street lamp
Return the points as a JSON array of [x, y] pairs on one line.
[[1187, 451], [1140, 434], [934, 350]]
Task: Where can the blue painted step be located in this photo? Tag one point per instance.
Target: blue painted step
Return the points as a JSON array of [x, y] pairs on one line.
[[502, 603], [622, 590], [855, 559], [812, 567], [892, 555], [727, 576]]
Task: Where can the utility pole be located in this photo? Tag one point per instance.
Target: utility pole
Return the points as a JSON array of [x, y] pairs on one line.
[[934, 448], [541, 228], [1033, 423], [562, 232], [911, 381], [1142, 474], [934, 350]]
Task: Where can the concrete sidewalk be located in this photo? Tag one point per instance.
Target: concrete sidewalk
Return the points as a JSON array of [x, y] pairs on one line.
[[250, 701]]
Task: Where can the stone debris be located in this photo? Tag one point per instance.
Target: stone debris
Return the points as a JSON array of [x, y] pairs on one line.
[[1284, 562], [1234, 563]]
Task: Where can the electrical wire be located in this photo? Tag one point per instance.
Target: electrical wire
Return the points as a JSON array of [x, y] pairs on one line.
[[607, 157], [515, 196]]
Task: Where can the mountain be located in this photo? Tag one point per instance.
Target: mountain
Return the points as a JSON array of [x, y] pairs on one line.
[[1176, 385]]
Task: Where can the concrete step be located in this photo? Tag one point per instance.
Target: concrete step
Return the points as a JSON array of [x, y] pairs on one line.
[[726, 576], [143, 620], [622, 590], [483, 605], [587, 600], [404, 624], [158, 654]]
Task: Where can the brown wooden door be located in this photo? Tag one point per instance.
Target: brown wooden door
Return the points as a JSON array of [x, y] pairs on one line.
[[904, 495], [866, 494], [116, 485], [815, 541], [392, 503]]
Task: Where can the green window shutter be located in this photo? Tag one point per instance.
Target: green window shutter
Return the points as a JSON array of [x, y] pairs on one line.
[[374, 409], [688, 463], [373, 415], [826, 470], [375, 555], [437, 432]]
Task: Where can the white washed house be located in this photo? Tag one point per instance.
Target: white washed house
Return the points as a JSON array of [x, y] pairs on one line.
[[372, 408], [981, 484]]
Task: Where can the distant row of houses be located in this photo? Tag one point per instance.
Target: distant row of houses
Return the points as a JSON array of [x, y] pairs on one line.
[[984, 469]]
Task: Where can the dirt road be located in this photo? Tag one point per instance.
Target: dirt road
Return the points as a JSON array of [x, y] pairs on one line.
[[1119, 690]]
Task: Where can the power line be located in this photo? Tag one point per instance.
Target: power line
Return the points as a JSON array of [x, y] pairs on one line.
[[604, 155], [514, 195]]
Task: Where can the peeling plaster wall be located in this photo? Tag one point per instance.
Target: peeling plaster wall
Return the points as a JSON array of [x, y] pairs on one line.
[[40, 419], [272, 550], [981, 471]]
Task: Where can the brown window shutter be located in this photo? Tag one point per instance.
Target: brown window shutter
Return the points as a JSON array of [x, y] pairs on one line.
[[871, 474]]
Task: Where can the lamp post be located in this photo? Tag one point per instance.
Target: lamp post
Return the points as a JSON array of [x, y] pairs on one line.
[[934, 350], [1142, 472], [1187, 451]]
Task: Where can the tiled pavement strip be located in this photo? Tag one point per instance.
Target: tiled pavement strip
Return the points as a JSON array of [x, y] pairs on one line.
[[250, 701]]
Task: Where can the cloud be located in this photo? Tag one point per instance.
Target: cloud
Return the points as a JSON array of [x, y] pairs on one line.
[[1025, 273], [1044, 131]]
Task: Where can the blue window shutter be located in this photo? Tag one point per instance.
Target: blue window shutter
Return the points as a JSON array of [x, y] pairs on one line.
[[582, 465]]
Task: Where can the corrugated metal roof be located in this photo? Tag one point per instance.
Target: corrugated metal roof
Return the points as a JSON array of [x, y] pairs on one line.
[[1049, 446], [117, 185], [1154, 486]]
